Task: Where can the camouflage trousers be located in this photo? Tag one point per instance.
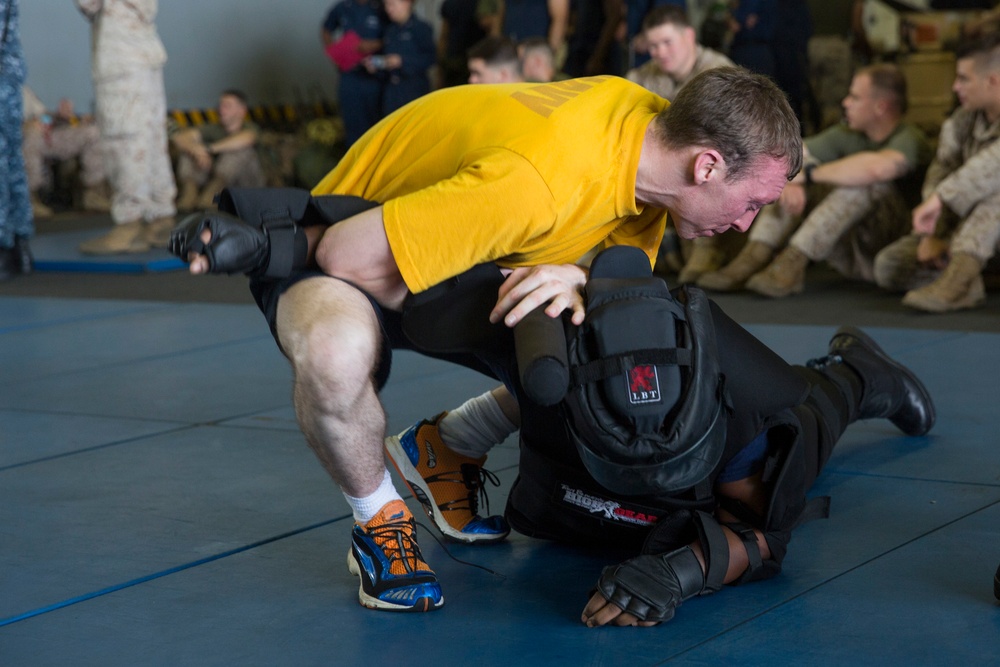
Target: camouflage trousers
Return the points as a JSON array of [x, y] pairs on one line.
[[65, 142], [897, 268], [846, 227], [15, 206], [240, 169], [132, 116]]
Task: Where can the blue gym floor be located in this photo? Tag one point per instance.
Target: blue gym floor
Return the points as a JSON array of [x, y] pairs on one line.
[[158, 506]]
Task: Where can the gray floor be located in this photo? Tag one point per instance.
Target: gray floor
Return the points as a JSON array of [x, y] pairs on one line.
[[159, 507]]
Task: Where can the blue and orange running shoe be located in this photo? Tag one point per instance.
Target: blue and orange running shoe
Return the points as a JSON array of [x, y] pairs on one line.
[[394, 576], [447, 484]]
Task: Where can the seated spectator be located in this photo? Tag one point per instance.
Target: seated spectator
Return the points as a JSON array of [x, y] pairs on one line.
[[217, 155], [408, 44], [956, 229], [860, 180], [537, 61], [494, 60], [676, 57], [59, 135]]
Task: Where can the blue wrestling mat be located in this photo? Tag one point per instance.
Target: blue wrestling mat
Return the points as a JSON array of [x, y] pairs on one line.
[[159, 506]]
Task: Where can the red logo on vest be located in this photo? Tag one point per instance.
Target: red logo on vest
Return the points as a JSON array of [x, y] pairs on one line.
[[643, 384]]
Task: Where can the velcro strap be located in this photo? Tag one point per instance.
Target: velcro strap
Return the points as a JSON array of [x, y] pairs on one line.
[[715, 548], [616, 364], [748, 537], [288, 248]]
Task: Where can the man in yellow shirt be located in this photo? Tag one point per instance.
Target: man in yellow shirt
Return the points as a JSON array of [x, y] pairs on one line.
[[529, 177]]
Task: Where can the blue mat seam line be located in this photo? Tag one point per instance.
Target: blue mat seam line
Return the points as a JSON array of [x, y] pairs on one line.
[[87, 318], [94, 448], [906, 478], [163, 573]]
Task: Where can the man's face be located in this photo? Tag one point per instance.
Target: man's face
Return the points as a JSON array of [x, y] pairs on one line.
[[721, 205], [398, 11], [974, 85], [480, 72], [232, 111], [860, 103], [672, 48]]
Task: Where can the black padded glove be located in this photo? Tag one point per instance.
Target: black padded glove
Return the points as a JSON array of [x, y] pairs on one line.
[[235, 246], [651, 587]]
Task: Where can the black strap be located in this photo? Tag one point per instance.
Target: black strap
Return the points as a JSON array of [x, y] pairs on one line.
[[616, 364]]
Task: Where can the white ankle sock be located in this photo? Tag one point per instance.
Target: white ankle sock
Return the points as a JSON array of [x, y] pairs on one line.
[[473, 428], [365, 508]]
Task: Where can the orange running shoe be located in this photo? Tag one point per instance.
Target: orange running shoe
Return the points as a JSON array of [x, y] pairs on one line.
[[394, 576], [447, 484]]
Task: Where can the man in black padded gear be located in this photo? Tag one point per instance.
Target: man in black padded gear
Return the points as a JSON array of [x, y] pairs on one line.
[[725, 530]]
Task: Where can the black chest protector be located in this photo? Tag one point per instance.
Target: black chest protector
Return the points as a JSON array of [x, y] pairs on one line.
[[644, 396]]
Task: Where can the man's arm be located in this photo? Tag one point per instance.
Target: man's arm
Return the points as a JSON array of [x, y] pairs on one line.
[[864, 168], [245, 138]]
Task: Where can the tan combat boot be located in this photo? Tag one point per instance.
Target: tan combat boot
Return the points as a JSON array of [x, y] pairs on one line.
[[785, 276], [38, 209], [958, 287], [95, 198], [705, 257], [188, 198], [754, 257], [127, 237], [157, 232], [207, 197]]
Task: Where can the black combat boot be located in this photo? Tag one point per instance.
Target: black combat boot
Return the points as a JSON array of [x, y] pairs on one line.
[[888, 389]]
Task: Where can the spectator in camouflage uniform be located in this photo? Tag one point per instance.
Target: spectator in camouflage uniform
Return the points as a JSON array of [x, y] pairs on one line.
[[676, 57], [127, 66], [859, 183], [956, 228], [218, 155], [15, 209], [59, 135]]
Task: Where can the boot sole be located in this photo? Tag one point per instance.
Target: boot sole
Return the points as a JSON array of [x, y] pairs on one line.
[[868, 342]]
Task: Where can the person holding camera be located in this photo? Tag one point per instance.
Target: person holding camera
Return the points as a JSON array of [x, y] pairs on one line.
[[409, 51]]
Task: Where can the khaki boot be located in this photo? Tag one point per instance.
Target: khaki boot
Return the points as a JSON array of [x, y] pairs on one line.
[[704, 257], [126, 237], [754, 257], [38, 209], [960, 286], [95, 198], [188, 198], [207, 197], [157, 232], [785, 276]]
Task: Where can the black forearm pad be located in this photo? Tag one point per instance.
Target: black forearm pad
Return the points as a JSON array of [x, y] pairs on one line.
[[542, 362], [651, 587]]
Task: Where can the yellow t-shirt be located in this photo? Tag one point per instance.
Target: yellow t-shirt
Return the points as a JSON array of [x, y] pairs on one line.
[[519, 174]]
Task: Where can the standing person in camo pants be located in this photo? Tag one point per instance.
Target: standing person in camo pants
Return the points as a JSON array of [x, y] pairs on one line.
[[127, 66]]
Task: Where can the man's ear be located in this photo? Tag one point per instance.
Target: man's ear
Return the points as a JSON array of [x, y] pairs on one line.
[[708, 165]]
